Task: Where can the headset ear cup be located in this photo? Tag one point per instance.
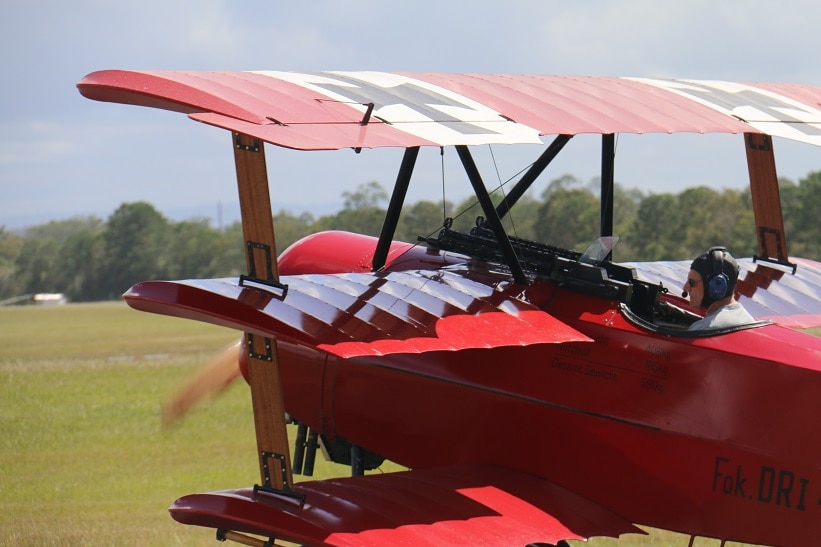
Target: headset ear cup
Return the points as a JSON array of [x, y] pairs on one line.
[[717, 286]]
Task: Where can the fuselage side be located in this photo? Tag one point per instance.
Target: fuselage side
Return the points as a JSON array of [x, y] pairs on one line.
[[712, 436]]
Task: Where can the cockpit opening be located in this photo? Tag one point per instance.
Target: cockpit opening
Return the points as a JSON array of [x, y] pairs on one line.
[[590, 272]]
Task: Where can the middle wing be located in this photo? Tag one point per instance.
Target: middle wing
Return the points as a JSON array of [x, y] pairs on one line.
[[358, 314]]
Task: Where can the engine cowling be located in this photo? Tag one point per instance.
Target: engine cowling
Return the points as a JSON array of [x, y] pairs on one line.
[[347, 252]]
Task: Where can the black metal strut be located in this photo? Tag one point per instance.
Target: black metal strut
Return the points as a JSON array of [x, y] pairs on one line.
[[608, 159], [490, 214], [400, 190]]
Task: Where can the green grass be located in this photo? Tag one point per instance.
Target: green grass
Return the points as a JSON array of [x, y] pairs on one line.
[[83, 459], [82, 453]]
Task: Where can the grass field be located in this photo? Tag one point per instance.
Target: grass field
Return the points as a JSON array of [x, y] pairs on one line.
[[83, 459]]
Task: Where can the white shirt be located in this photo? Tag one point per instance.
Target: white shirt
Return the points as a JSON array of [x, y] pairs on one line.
[[730, 315]]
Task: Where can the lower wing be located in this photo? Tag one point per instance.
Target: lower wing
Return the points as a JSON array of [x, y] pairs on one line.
[[463, 505]]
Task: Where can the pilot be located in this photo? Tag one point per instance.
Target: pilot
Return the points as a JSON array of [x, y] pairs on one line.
[[710, 285]]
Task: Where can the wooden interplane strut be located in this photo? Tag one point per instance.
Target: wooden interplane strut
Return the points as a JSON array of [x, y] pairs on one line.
[[263, 367], [769, 221]]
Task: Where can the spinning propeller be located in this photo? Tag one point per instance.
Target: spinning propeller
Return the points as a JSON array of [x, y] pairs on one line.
[[211, 380]]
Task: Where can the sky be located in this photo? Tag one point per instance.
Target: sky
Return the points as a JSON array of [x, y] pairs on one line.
[[62, 155]]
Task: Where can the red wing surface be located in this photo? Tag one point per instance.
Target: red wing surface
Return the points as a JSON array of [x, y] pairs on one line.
[[475, 505], [365, 314], [331, 110]]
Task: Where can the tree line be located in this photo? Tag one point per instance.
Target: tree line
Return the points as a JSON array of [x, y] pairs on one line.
[[89, 259]]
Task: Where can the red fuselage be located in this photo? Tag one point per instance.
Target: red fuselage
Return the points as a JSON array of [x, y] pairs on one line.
[[712, 436]]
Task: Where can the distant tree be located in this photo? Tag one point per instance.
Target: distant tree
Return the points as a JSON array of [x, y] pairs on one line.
[[367, 195], [790, 194], [805, 213], [231, 251], [468, 212], [655, 234], [36, 265], [10, 246], [734, 222], [465, 213], [361, 214], [47, 262], [523, 217], [88, 259], [708, 217], [135, 239], [290, 228], [422, 218], [190, 250], [675, 227], [62, 230], [80, 261], [569, 216], [627, 202]]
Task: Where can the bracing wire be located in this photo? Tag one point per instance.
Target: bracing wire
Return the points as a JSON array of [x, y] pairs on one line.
[[501, 185]]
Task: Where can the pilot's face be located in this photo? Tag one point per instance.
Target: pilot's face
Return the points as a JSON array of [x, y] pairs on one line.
[[694, 286]]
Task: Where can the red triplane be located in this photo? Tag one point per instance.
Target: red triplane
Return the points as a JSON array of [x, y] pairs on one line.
[[535, 394]]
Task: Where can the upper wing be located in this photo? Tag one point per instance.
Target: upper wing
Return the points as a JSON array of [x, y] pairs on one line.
[[766, 292], [357, 314], [468, 505], [331, 110]]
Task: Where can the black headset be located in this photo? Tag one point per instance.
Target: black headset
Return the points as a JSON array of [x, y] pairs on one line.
[[717, 282]]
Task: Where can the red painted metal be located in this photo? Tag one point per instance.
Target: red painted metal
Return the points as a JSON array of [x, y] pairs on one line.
[[713, 436], [768, 292]]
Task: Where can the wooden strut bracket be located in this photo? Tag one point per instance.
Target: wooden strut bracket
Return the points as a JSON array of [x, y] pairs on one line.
[[253, 279], [263, 365], [245, 539]]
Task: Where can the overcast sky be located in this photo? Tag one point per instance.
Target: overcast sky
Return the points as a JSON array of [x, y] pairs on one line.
[[62, 155]]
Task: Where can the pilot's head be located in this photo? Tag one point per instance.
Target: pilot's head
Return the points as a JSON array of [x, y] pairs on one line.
[[712, 277]]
